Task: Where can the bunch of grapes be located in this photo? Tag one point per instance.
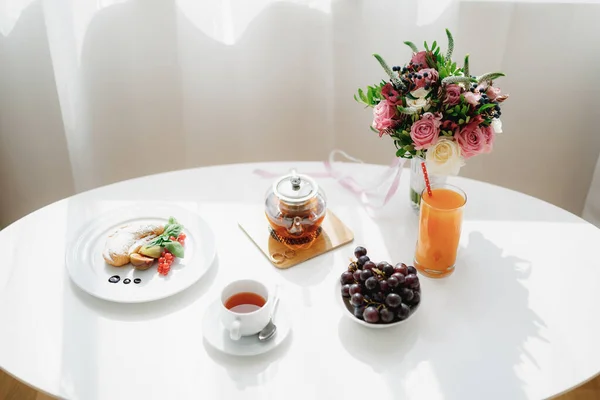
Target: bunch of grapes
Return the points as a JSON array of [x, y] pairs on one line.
[[380, 293]]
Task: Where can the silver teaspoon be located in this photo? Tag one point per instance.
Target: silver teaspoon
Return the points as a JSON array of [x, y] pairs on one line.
[[269, 331]]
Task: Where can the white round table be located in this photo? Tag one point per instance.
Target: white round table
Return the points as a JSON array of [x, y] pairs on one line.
[[519, 319]]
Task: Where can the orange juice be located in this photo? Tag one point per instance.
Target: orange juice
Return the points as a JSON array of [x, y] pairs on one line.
[[440, 223]]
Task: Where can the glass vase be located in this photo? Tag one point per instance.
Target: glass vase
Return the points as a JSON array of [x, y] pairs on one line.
[[417, 181]]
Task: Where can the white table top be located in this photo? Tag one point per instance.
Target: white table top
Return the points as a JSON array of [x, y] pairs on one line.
[[519, 319]]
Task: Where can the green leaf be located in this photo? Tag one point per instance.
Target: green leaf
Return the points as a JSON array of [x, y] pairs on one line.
[[373, 129], [410, 96], [430, 61], [433, 45], [485, 107], [450, 45], [466, 65], [425, 45], [400, 152], [464, 108], [457, 108], [490, 76], [370, 91], [412, 46], [175, 248], [356, 99], [395, 80], [429, 94], [468, 119], [461, 121], [456, 79], [362, 96]]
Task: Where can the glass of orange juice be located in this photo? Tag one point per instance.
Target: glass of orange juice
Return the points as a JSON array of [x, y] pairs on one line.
[[440, 224]]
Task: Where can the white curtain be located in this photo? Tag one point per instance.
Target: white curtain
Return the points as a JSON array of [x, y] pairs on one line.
[[96, 91]]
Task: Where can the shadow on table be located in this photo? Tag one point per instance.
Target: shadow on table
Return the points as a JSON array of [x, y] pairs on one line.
[[250, 371], [467, 340], [149, 310]]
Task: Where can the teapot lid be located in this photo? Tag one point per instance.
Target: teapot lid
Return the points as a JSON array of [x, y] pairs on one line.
[[295, 188]]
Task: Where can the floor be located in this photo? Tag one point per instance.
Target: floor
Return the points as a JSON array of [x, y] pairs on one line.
[[11, 389]]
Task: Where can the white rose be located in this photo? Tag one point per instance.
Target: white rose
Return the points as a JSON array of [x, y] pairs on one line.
[[443, 158], [418, 103], [497, 125], [420, 93]]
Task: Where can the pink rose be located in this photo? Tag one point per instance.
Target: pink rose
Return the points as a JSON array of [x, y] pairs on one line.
[[492, 93], [489, 134], [419, 59], [475, 139], [452, 94], [472, 98], [426, 130], [383, 116], [425, 77], [391, 94]]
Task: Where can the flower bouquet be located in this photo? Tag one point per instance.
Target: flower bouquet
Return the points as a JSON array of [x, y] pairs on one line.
[[434, 110]]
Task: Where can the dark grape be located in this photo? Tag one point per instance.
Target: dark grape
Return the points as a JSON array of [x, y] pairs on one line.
[[406, 294], [416, 298], [403, 311], [362, 260], [416, 286], [388, 270], [355, 288], [401, 278], [358, 312], [372, 283], [411, 279], [365, 274], [392, 282], [393, 300], [384, 286], [357, 300], [369, 265], [387, 315], [412, 270], [378, 297], [401, 268], [371, 314], [347, 278], [360, 251], [356, 275], [346, 290]]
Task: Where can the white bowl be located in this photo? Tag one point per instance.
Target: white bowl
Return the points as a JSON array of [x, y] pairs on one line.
[[348, 310]]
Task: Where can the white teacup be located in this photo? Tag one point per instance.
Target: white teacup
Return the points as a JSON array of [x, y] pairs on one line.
[[245, 319]]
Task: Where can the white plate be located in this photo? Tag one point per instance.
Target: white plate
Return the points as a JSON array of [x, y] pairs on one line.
[[348, 310], [218, 337], [90, 272]]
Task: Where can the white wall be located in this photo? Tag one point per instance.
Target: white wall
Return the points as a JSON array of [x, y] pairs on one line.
[[90, 91]]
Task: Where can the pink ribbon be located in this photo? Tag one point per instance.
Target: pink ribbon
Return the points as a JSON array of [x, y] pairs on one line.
[[394, 171]]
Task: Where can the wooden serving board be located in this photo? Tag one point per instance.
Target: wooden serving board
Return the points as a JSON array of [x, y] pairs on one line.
[[334, 234]]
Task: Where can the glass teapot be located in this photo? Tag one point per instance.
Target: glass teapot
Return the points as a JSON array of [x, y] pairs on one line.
[[295, 207]]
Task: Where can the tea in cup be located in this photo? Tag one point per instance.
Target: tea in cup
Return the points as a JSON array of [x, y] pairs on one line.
[[245, 308]]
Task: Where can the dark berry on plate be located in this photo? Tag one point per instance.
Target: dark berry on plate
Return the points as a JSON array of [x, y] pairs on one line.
[[412, 270], [372, 283], [362, 260], [358, 312], [356, 275], [365, 274], [399, 277], [416, 286], [393, 300], [411, 279], [384, 287], [416, 298], [347, 278], [371, 314], [346, 290], [392, 282], [401, 268], [357, 300], [379, 297], [406, 294], [403, 312], [387, 269], [369, 265], [386, 315], [360, 251], [355, 288]]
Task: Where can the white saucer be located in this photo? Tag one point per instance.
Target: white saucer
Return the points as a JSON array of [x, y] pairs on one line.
[[218, 337]]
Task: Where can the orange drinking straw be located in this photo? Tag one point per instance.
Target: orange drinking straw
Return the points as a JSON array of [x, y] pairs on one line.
[[426, 176]]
